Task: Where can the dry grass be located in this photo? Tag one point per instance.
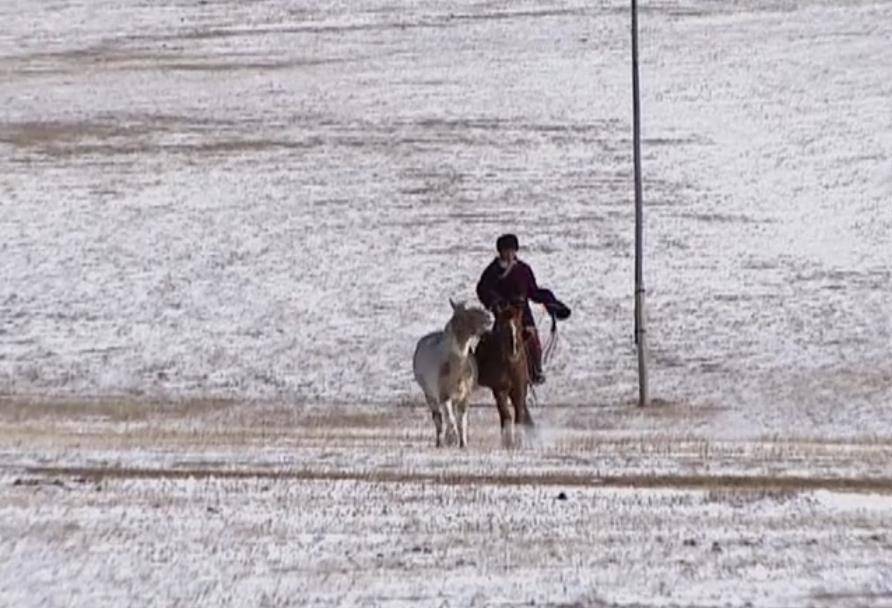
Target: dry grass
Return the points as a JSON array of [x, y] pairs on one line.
[[120, 56], [128, 425], [137, 134], [216, 438], [24, 409], [128, 136], [57, 133], [763, 484]]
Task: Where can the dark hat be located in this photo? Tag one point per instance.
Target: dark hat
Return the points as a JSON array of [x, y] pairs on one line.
[[507, 241]]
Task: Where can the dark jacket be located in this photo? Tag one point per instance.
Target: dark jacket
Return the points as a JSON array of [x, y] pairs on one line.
[[499, 285]]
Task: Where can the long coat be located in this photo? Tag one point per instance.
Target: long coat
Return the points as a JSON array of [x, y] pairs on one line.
[[517, 282]]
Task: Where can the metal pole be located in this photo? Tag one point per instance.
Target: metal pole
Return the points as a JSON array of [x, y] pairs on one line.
[[639, 220]]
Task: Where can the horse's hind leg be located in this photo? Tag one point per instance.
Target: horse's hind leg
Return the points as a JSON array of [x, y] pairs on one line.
[[438, 424], [437, 415]]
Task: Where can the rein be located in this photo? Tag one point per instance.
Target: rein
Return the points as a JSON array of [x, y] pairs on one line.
[[516, 340]]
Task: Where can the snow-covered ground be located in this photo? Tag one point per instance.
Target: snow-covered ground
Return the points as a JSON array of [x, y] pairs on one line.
[[216, 504], [275, 200], [269, 202]]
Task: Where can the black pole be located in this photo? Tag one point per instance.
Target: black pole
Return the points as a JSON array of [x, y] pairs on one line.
[[639, 219]]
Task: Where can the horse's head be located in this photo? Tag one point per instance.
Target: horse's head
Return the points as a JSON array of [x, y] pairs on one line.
[[468, 322], [509, 329]]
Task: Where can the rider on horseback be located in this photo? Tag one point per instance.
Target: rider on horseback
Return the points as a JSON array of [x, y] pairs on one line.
[[507, 280]]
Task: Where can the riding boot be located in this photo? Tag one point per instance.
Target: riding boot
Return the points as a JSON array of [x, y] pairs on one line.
[[534, 355]]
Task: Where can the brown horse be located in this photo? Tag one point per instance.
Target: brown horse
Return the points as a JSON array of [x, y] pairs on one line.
[[502, 367]]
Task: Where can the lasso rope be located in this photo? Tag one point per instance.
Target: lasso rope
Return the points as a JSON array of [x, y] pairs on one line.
[[551, 345]]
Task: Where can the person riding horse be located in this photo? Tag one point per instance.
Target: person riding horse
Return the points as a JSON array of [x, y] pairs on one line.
[[506, 280]]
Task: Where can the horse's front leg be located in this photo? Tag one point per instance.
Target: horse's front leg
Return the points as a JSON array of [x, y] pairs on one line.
[[452, 431], [504, 418], [521, 411], [463, 408]]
